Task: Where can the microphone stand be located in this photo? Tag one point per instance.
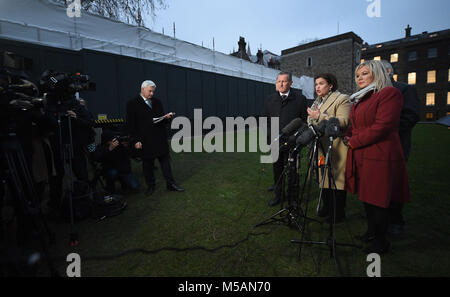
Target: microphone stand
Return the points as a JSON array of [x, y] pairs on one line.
[[288, 212], [331, 240]]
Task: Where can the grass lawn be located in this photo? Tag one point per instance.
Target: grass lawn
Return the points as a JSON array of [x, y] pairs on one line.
[[209, 229]]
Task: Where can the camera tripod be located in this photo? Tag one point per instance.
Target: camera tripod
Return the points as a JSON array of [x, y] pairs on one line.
[[331, 240], [292, 213], [66, 153], [21, 197]]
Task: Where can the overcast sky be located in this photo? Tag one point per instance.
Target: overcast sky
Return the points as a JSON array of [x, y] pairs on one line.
[[278, 25]]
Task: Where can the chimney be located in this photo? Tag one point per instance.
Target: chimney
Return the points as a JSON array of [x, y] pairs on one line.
[[242, 44], [408, 31], [260, 56]]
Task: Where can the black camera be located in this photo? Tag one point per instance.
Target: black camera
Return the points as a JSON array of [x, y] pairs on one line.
[[123, 138], [16, 92], [60, 88]]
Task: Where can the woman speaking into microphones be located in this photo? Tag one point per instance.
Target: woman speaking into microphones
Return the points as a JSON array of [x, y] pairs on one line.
[[376, 168], [330, 103]]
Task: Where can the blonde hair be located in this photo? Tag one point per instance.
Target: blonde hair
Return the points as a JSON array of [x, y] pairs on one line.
[[379, 73]]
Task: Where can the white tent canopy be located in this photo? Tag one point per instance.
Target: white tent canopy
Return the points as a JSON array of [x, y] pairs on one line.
[[43, 22]]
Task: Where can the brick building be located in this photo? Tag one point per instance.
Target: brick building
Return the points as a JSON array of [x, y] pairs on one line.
[[338, 54], [421, 60]]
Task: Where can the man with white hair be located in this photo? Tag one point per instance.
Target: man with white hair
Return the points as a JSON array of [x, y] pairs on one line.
[[146, 123]]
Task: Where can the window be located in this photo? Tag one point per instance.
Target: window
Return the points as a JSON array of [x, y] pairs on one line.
[[432, 52], [411, 78], [430, 99], [377, 58], [309, 62], [395, 77], [394, 58], [412, 56], [431, 76], [448, 98], [449, 74], [430, 115]]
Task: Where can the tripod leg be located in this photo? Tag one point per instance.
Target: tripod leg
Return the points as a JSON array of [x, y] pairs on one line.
[[15, 155]]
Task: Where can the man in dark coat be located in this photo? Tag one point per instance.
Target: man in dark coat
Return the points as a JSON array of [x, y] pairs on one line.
[[287, 105], [146, 125], [408, 118]]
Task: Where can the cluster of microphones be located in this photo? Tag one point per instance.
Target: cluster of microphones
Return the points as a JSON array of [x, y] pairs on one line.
[[302, 134]]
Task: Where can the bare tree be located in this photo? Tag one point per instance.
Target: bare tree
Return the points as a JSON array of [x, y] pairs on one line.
[[128, 11]]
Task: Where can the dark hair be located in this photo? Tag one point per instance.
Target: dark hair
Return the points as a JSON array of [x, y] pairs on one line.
[[285, 73], [330, 78]]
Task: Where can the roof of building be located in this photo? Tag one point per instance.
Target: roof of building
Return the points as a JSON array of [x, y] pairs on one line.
[[331, 39], [413, 39]]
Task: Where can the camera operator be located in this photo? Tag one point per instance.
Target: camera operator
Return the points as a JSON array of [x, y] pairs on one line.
[[82, 135], [114, 155]]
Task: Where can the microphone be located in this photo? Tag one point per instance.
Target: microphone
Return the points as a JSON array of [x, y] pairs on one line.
[[289, 128], [311, 132], [303, 127], [333, 129], [320, 130]]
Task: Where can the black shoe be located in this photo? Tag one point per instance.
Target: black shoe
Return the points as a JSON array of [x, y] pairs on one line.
[[271, 188], [379, 248], [365, 238], [149, 191], [174, 187], [274, 201]]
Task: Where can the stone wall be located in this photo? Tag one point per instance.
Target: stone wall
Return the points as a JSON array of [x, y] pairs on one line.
[[339, 58]]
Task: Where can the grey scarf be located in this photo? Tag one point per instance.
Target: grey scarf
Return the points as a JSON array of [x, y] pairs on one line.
[[361, 93]]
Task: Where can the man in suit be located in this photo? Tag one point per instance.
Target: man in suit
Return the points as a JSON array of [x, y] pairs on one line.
[[286, 105], [146, 125], [408, 119]]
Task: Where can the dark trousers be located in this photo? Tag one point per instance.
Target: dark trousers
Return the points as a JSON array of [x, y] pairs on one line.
[[292, 178], [278, 168], [395, 213], [377, 222], [148, 166], [128, 180], [79, 164]]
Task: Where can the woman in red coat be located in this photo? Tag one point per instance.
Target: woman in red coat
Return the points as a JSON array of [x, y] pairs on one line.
[[376, 168]]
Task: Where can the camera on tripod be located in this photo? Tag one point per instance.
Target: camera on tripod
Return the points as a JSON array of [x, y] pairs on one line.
[[59, 88], [16, 92]]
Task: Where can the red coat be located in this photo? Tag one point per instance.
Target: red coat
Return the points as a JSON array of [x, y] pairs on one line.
[[376, 168]]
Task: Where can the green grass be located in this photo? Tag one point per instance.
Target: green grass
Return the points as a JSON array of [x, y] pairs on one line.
[[226, 196]]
